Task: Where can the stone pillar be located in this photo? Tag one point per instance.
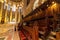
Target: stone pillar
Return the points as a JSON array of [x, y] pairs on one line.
[[1, 11], [11, 15], [6, 15], [2, 17], [19, 18], [16, 16]]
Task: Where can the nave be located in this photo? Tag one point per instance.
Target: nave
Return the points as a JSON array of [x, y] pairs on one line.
[[29, 20]]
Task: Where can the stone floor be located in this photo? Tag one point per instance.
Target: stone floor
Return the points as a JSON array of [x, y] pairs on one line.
[[8, 33], [16, 36], [13, 35]]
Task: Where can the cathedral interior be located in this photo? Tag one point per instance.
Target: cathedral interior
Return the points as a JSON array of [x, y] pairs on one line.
[[29, 19]]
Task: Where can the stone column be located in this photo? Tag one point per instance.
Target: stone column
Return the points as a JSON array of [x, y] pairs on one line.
[[1, 11], [11, 15], [6, 15], [19, 18], [2, 19], [16, 16]]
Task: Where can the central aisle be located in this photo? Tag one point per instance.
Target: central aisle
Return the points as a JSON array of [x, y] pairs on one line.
[[16, 36], [13, 36]]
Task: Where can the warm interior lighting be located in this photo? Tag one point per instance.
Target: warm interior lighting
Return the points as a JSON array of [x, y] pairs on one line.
[[42, 1], [53, 2], [13, 19], [21, 4], [54, 6], [2, 1], [17, 5], [0, 17], [36, 4], [5, 0], [11, 22], [11, 7]]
